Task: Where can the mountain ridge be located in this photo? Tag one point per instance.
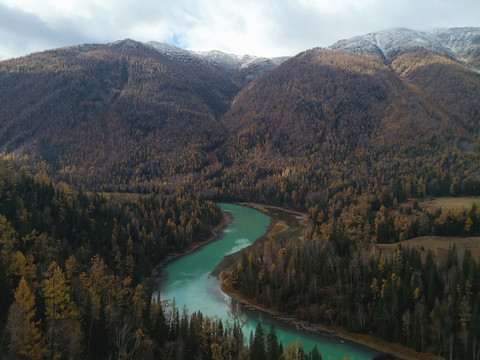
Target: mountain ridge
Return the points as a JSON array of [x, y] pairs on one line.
[[244, 68], [130, 114], [461, 44]]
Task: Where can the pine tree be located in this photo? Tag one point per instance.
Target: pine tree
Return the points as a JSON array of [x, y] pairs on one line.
[[257, 348], [314, 354], [272, 345], [7, 244]]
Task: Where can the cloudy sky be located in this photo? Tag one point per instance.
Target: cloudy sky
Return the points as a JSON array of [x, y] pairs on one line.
[[258, 27]]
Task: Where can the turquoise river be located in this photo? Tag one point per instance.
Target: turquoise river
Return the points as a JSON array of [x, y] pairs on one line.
[[188, 281]]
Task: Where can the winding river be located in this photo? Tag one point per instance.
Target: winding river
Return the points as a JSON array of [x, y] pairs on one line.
[[188, 281]]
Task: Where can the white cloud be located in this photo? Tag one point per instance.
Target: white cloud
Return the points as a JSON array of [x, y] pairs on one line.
[[259, 27]]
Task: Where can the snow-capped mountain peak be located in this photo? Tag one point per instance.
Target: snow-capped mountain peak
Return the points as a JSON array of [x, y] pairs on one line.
[[458, 43], [390, 43], [246, 67], [228, 61]]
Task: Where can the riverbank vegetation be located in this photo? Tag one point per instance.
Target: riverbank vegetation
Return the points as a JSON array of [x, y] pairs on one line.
[[75, 274], [200, 337], [424, 297], [75, 267], [358, 143]]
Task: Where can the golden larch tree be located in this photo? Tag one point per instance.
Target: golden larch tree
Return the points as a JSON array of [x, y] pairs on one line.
[[26, 341], [63, 325]]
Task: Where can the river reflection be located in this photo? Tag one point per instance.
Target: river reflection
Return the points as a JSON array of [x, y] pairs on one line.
[[188, 281]]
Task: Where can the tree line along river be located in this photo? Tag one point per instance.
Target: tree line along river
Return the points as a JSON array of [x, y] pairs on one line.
[[188, 280]]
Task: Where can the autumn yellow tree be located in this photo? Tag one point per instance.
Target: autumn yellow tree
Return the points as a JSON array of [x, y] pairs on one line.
[[294, 351], [63, 328], [26, 341], [7, 242]]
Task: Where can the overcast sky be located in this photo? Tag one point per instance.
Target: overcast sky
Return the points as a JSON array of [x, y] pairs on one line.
[[257, 27]]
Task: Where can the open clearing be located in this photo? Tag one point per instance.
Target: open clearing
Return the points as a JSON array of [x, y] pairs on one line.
[[449, 202], [438, 244]]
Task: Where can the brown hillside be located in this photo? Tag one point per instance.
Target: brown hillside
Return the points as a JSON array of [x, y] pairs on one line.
[[320, 124], [114, 114], [347, 119]]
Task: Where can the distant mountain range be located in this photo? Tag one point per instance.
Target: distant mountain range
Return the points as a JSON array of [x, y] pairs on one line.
[[398, 105], [243, 68]]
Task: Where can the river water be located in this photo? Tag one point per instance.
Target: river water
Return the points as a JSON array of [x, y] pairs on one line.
[[188, 281]]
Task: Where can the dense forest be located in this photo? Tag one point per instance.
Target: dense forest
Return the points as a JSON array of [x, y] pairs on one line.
[[125, 117], [75, 274], [301, 137], [113, 115], [75, 267], [334, 276]]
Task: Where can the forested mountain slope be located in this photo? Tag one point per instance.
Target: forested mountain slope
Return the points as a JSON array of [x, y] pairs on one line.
[[351, 133], [397, 106], [111, 113], [326, 120]]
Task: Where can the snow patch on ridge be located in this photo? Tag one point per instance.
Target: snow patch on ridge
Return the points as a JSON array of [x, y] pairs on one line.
[[250, 66], [458, 43]]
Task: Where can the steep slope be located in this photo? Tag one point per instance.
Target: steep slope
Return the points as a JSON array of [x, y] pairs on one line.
[[325, 121], [452, 87], [391, 43], [242, 68], [118, 113], [464, 42], [398, 108]]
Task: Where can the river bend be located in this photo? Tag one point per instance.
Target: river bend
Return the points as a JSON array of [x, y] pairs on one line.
[[188, 281]]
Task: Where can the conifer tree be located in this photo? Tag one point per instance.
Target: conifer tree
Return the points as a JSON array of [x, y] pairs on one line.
[[26, 341], [272, 345], [314, 354], [257, 349], [63, 330]]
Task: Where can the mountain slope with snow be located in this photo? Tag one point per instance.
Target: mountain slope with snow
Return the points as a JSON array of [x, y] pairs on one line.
[[461, 44], [243, 68]]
